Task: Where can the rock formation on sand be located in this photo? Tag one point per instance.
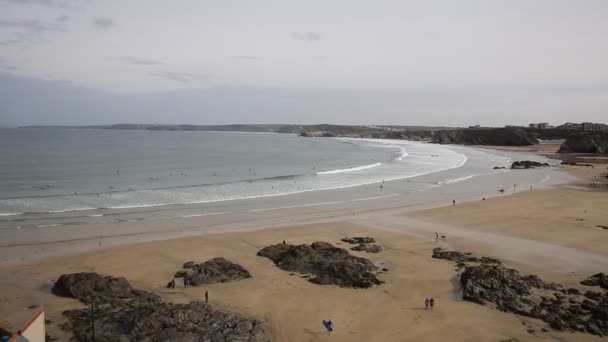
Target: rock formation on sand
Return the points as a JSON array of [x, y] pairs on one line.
[[527, 164], [363, 244], [125, 314], [461, 258], [599, 279], [105, 289], [216, 270], [367, 248], [329, 264], [563, 309], [357, 240]]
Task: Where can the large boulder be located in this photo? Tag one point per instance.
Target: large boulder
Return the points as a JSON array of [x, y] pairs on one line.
[[103, 289], [329, 264], [216, 270]]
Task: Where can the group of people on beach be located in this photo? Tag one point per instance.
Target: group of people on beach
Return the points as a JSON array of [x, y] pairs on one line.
[[187, 282]]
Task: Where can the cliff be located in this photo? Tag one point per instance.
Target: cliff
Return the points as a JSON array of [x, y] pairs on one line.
[[586, 143], [488, 136]]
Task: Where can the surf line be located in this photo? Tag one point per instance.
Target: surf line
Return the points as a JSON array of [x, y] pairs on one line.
[[323, 203]]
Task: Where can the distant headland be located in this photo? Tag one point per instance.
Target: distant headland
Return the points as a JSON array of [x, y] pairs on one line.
[[583, 137]]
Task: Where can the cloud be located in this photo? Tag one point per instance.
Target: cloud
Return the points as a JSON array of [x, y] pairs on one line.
[[10, 42], [30, 24], [104, 23], [63, 18], [48, 3], [182, 77], [137, 61], [248, 58], [310, 37]]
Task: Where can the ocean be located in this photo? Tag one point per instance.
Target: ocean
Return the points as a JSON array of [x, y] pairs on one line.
[[51, 176]]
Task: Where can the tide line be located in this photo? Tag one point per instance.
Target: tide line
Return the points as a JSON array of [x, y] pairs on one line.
[[323, 203]]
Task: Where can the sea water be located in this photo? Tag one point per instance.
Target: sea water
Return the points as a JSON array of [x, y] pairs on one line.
[[51, 176]]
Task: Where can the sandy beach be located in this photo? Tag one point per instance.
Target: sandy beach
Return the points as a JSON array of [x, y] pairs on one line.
[[552, 233]]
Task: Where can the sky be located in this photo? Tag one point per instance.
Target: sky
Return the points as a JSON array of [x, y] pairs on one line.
[[431, 62]]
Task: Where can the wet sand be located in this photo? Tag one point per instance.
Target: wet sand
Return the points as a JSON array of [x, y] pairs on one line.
[[543, 232]]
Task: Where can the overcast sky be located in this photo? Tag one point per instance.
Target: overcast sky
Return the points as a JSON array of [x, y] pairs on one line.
[[354, 62]]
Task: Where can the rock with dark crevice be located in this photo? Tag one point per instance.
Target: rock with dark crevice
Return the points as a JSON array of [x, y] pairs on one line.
[[329, 265]]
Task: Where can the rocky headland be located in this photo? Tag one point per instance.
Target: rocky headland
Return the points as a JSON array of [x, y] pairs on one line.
[[483, 136], [122, 313], [329, 265], [586, 142]]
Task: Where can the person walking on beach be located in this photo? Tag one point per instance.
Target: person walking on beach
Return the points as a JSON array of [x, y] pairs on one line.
[[453, 202], [329, 326], [206, 296], [426, 303], [431, 302]]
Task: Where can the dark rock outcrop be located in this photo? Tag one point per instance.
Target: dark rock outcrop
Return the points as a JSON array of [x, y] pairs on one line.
[[586, 142], [599, 279], [194, 321], [121, 315], [216, 270], [104, 289], [367, 248], [510, 291], [356, 240], [527, 164], [329, 264], [460, 258]]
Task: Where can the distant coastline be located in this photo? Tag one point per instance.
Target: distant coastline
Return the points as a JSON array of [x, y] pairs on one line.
[[576, 141]]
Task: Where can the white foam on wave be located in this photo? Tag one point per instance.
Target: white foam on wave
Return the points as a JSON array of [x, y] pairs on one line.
[[49, 225], [356, 168], [10, 214], [455, 180]]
